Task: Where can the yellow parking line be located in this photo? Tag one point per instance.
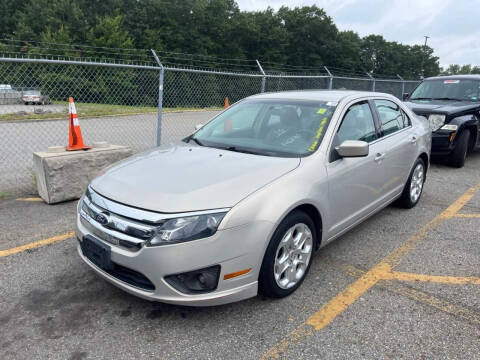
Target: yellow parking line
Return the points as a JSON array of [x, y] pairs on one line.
[[347, 297], [36, 244], [31, 199], [468, 215], [430, 300], [460, 280], [416, 294]]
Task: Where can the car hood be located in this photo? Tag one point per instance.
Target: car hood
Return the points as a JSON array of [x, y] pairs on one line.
[[181, 178], [449, 107]]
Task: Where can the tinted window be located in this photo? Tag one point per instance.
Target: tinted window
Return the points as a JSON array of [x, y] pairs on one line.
[[357, 124], [449, 89], [391, 116]]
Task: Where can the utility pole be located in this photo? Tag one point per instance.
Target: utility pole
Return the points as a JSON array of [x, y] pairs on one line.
[[423, 55]]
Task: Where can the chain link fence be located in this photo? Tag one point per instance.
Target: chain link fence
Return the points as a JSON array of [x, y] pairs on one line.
[[119, 103]]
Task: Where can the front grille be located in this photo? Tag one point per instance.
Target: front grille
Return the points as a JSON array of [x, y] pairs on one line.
[[440, 141], [112, 228], [131, 277], [120, 272]]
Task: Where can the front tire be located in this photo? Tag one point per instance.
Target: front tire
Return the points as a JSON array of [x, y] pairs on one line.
[[288, 257], [459, 154], [414, 187]]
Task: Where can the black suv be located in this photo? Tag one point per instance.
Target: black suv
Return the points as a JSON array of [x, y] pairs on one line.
[[452, 106]]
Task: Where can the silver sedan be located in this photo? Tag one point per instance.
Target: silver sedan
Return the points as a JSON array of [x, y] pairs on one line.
[[240, 206]]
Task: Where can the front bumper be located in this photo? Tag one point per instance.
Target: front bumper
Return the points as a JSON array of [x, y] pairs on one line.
[[441, 144], [233, 249]]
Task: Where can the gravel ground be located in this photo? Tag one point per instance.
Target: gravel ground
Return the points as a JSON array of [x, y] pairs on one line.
[[52, 306]]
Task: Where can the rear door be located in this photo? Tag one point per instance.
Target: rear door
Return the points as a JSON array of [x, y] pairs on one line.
[[355, 184], [399, 141]]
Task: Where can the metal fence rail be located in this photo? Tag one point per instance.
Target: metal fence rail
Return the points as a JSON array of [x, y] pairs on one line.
[[135, 105]]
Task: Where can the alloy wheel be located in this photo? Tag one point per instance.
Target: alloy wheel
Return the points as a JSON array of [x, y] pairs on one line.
[[416, 183], [293, 256]]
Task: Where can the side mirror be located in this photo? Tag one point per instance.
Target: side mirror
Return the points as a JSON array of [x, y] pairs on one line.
[[198, 126], [405, 96], [353, 148]]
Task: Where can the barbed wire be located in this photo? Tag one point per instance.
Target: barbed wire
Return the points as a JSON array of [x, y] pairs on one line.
[[46, 49]]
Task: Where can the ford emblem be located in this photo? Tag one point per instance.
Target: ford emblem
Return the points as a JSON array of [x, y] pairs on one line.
[[102, 218]]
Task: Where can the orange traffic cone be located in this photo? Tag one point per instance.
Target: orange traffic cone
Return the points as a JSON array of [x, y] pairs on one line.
[[227, 104], [75, 141]]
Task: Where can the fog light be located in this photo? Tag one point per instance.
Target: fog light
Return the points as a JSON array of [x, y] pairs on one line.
[[195, 282]]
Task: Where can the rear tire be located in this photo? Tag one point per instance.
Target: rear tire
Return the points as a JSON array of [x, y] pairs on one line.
[[414, 187], [459, 154], [288, 257]]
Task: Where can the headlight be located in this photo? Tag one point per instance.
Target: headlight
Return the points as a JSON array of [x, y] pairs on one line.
[[436, 121], [186, 228]]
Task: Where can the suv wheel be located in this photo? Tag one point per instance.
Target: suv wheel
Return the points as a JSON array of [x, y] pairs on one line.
[[414, 186], [459, 154], [288, 256]]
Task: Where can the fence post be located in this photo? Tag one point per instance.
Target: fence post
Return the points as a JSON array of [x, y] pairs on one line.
[[330, 82], [373, 81], [263, 77], [160, 98], [403, 87]]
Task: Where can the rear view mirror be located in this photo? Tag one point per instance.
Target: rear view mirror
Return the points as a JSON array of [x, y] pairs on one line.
[[353, 148], [198, 126], [405, 96]]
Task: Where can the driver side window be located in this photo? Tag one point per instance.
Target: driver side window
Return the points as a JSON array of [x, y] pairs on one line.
[[357, 124]]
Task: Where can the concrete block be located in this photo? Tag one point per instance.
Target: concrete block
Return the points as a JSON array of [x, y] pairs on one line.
[[65, 175]]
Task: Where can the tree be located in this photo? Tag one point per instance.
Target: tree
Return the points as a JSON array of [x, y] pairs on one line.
[[110, 33], [455, 69], [304, 38]]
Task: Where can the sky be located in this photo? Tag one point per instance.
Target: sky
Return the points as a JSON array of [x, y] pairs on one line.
[[453, 25]]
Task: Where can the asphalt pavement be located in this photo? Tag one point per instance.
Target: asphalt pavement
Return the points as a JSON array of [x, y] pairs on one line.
[[19, 139], [405, 284]]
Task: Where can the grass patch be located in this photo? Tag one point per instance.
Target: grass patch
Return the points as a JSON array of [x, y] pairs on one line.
[[3, 195], [88, 110]]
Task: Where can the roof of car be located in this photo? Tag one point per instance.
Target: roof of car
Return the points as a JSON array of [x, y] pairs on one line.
[[455, 77], [323, 95]]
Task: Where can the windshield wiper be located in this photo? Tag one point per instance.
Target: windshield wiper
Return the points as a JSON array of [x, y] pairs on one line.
[[242, 150], [447, 98], [422, 98], [246, 150]]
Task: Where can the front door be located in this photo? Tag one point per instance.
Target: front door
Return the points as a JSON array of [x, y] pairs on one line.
[[356, 185]]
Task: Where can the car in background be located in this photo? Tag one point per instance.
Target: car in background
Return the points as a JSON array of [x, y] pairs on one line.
[[35, 97], [452, 106], [241, 205]]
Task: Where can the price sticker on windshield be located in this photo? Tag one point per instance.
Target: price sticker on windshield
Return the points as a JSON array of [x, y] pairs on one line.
[[318, 134]]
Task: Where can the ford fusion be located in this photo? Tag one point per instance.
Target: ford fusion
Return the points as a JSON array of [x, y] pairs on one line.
[[240, 206]]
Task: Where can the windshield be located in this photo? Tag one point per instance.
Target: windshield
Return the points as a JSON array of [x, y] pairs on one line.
[[32, 92], [284, 128], [448, 89]]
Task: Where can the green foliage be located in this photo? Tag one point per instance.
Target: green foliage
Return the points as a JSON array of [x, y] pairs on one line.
[[109, 32], [303, 36], [455, 69]]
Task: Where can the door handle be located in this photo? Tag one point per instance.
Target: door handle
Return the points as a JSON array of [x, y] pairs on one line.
[[379, 156], [413, 140]]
